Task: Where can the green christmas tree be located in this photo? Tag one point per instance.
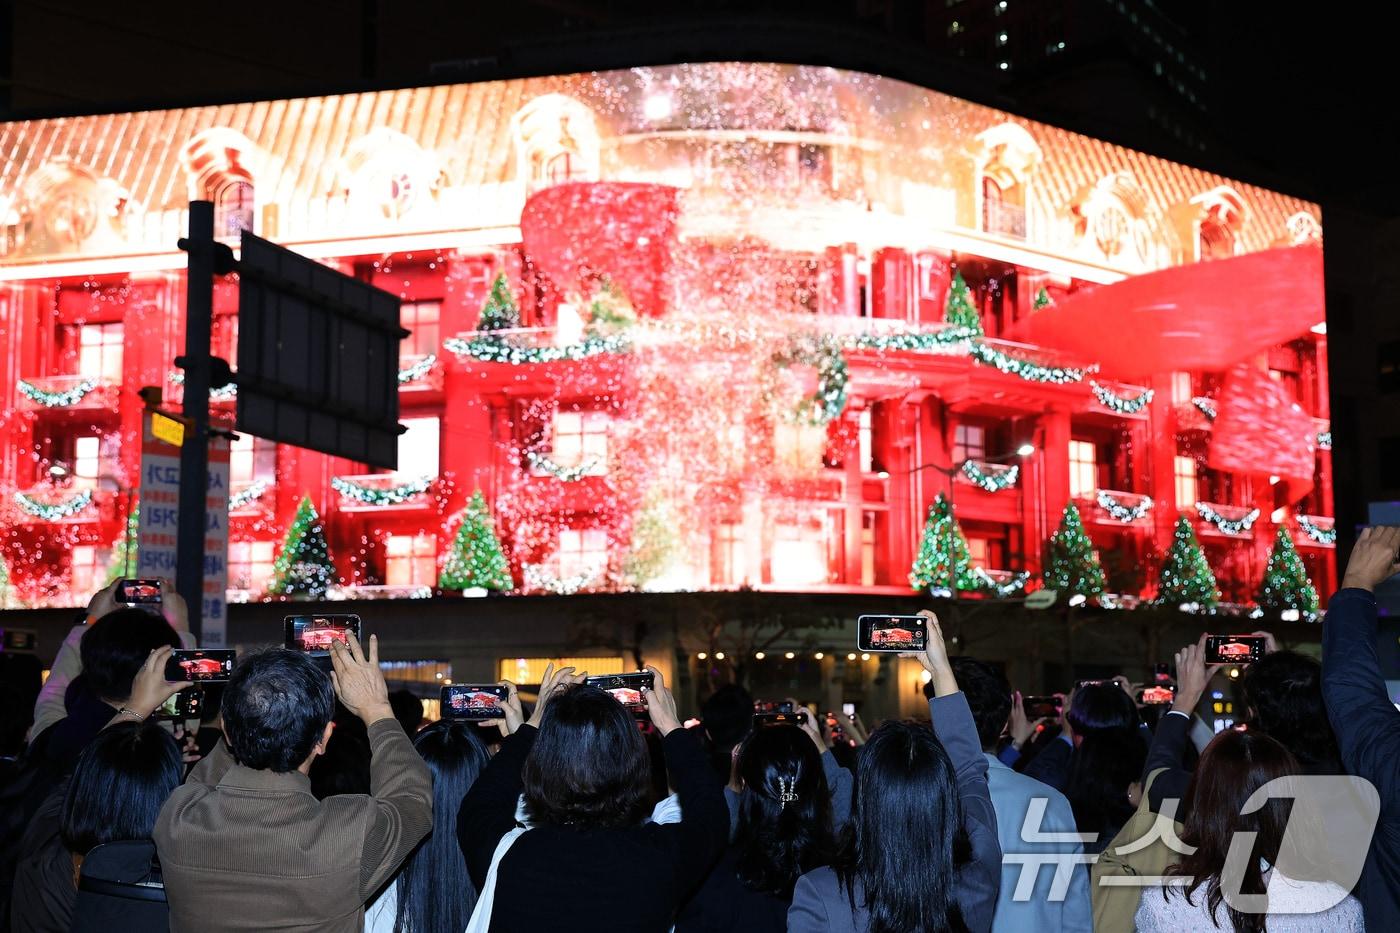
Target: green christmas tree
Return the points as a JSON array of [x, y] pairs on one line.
[[500, 311], [609, 311], [475, 559], [943, 562], [960, 310], [124, 557], [1286, 584], [304, 567], [1071, 569], [1186, 576], [1042, 298], [654, 545]]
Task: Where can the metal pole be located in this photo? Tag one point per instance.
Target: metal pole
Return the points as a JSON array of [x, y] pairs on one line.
[[194, 453]]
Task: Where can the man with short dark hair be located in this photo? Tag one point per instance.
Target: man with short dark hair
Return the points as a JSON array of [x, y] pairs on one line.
[[1014, 797], [245, 845]]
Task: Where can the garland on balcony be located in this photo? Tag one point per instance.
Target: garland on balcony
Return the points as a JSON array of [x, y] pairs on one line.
[[394, 495], [251, 494], [1316, 532], [1120, 512], [227, 390], [1000, 590], [537, 578], [568, 474], [957, 339], [54, 511], [823, 354], [991, 482], [1324, 439], [940, 340], [1206, 406], [1229, 526], [494, 350], [1026, 369], [1117, 404], [418, 370], [65, 399]]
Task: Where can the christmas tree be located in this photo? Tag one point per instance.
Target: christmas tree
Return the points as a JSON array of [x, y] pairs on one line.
[[609, 311], [1071, 569], [1286, 584], [943, 562], [475, 559], [1186, 576], [124, 558], [1042, 298], [960, 310], [304, 567], [500, 311]]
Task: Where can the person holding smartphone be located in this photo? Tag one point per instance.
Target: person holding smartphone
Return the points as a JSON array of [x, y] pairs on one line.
[[898, 871], [588, 862]]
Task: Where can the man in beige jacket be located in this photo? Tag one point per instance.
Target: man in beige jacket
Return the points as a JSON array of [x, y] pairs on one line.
[[245, 846]]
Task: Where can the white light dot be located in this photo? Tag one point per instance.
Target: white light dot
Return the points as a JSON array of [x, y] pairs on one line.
[[851, 656], [759, 655], [719, 655], [818, 655], [658, 106], [702, 656], [865, 657]]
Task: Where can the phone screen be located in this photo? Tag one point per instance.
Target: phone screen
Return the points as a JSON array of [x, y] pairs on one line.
[[473, 701], [1041, 707], [314, 634], [625, 688], [1158, 695], [1234, 649], [186, 704], [200, 665], [891, 633], [138, 592], [781, 717]]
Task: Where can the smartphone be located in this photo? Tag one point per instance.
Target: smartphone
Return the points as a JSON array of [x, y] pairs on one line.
[[313, 634], [19, 639], [187, 704], [138, 592], [771, 706], [625, 688], [780, 717], [848, 708], [473, 702], [200, 665], [1234, 649], [891, 633], [1157, 695], [1041, 707]]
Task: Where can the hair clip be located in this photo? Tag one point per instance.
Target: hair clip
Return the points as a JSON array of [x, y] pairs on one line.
[[787, 791]]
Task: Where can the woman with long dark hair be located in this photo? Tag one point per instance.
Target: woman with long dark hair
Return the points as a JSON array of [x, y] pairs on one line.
[[1233, 766], [584, 772], [432, 891], [784, 830], [922, 855]]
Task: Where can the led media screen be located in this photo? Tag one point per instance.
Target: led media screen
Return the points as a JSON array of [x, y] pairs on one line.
[[699, 327]]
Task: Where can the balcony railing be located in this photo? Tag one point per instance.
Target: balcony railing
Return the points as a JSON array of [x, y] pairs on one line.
[[1004, 219], [1316, 531], [1117, 508], [421, 372], [67, 393], [1226, 521], [378, 492]]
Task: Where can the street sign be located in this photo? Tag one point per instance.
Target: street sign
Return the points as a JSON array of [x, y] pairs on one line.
[[167, 429], [318, 356], [157, 534], [1041, 599]]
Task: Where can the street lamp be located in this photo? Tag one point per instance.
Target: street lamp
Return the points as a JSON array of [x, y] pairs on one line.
[[60, 471]]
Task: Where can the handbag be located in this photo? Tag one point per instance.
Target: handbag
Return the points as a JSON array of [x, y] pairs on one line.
[[480, 921], [1133, 861]]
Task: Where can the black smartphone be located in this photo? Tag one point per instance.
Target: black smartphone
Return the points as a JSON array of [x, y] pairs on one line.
[[779, 717], [313, 634], [141, 593], [187, 704], [625, 688], [1157, 695], [200, 665], [1234, 649], [891, 633], [773, 706], [19, 639], [1041, 707], [473, 702]]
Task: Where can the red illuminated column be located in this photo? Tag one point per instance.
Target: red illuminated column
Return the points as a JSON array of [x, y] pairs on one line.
[[933, 274], [841, 281], [891, 274], [894, 427], [1159, 440], [1328, 583], [1054, 463]]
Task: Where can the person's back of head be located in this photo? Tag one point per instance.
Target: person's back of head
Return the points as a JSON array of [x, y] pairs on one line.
[[121, 781], [1283, 697], [588, 768], [1102, 766], [276, 706], [727, 717], [1233, 766], [784, 810], [906, 820], [408, 710], [988, 696], [115, 646], [1101, 706], [434, 890]]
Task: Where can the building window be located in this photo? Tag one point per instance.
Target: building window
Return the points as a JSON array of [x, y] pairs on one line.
[[1182, 391], [410, 560], [1002, 209], [1186, 491], [1083, 469], [87, 458], [419, 446], [250, 564], [580, 440], [531, 670], [251, 459], [969, 443], [798, 447], [583, 553], [799, 554], [1215, 240], [420, 319], [730, 558], [89, 568], [100, 352], [233, 209]]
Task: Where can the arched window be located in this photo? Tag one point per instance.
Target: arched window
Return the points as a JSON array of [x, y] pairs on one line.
[[991, 203], [1215, 240], [1218, 216], [1007, 157], [556, 141], [233, 208]]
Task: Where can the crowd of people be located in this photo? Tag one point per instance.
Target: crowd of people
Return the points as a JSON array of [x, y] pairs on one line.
[[307, 797]]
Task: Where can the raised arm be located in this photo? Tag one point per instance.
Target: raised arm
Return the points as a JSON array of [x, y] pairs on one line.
[[1168, 749]]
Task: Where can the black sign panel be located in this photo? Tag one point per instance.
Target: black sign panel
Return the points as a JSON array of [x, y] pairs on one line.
[[318, 356]]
